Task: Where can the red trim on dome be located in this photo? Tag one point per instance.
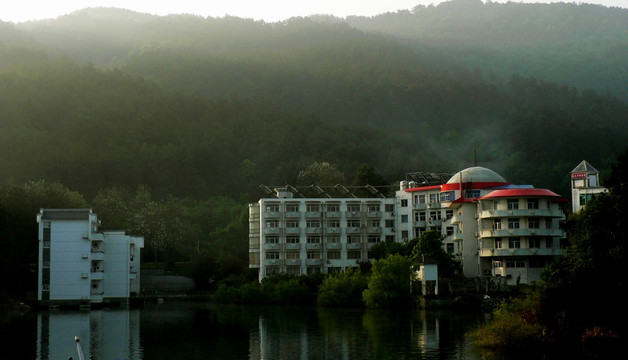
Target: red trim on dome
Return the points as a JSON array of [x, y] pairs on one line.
[[424, 188], [472, 185], [519, 193]]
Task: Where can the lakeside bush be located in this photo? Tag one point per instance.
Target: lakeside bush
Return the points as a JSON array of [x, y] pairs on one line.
[[343, 289]]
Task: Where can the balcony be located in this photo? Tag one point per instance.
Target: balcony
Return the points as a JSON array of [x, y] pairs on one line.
[[293, 246], [334, 246], [374, 214], [521, 232], [374, 230], [313, 214], [98, 255], [293, 215], [272, 215], [293, 262], [333, 230], [353, 214], [97, 237], [313, 230], [98, 275], [270, 246], [310, 262], [332, 214], [314, 246], [354, 230], [487, 214], [520, 252], [354, 246], [293, 231], [272, 262]]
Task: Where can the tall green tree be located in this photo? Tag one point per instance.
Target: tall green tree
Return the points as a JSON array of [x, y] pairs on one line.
[[389, 284]]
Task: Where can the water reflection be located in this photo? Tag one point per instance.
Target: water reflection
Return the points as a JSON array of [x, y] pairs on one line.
[[185, 330], [104, 334]]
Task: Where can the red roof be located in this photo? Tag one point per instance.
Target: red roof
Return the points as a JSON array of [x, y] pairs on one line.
[[519, 193], [424, 188]]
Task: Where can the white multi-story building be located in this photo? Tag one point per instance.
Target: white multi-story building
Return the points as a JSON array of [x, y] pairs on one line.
[[80, 265], [493, 228], [585, 185]]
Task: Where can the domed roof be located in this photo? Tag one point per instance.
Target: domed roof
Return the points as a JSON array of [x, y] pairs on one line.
[[477, 174]]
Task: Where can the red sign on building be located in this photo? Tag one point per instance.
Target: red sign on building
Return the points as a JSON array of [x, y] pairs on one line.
[[580, 175]]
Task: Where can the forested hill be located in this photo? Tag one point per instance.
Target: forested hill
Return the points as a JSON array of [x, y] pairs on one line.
[[196, 106]]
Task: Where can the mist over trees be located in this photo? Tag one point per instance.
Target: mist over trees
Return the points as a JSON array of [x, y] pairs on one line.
[[109, 102]]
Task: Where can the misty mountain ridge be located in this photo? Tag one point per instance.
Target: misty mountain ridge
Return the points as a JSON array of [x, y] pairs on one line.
[[186, 105]]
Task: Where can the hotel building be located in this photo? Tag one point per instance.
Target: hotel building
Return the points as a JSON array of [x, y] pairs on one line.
[[491, 227]]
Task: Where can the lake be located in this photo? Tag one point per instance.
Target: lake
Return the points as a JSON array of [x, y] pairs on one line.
[[194, 330]]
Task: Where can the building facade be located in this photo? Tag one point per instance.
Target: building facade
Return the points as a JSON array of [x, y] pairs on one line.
[[585, 185], [80, 265], [494, 229]]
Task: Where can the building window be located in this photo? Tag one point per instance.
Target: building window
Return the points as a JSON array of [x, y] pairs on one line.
[[292, 270], [390, 238], [293, 255], [434, 198], [272, 255], [333, 255], [404, 218], [292, 207], [513, 204], [404, 235], [373, 207], [499, 243], [292, 240], [422, 216], [353, 207], [390, 223], [353, 223], [449, 214], [354, 255], [389, 207], [497, 224], [333, 239], [450, 248], [313, 239], [333, 223], [472, 194], [404, 202], [313, 208], [421, 199], [272, 223], [292, 224], [313, 223], [513, 223], [548, 223], [373, 239], [533, 223], [313, 254], [533, 204], [272, 207], [514, 243], [374, 224], [332, 207], [534, 243], [447, 196], [353, 239], [450, 230], [272, 239]]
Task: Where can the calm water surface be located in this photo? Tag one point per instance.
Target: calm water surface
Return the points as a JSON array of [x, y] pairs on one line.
[[188, 330]]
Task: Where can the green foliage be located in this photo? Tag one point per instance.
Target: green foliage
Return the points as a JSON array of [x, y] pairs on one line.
[[322, 173], [277, 289], [514, 326], [343, 289], [389, 284], [430, 244]]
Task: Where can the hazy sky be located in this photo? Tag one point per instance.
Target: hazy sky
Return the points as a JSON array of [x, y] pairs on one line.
[[268, 10]]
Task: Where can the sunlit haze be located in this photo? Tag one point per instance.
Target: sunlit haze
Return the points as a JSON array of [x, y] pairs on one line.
[[268, 10]]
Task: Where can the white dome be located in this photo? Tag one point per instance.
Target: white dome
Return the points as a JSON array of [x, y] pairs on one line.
[[476, 174]]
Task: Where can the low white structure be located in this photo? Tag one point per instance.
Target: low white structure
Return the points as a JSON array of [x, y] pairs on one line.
[[427, 274], [79, 265], [491, 227], [585, 185]]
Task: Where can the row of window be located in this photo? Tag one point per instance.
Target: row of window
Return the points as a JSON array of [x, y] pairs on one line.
[[515, 243], [514, 223], [351, 223], [532, 263], [357, 207], [314, 239], [316, 255]]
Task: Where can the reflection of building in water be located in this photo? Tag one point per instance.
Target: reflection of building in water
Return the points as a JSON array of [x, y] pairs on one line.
[[79, 265], [104, 334]]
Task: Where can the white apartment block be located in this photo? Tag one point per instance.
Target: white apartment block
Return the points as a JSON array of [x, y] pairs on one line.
[[80, 265], [493, 228], [585, 185]]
